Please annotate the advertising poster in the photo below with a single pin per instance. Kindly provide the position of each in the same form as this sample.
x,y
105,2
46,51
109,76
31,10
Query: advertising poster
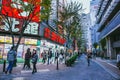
x,y
34,41
1,50
6,49
8,39
27,41
20,51
2,39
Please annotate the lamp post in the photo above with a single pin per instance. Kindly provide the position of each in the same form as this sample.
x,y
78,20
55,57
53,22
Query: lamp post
x,y
57,66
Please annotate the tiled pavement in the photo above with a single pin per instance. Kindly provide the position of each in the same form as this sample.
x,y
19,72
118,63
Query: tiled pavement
x,y
80,71
40,66
109,66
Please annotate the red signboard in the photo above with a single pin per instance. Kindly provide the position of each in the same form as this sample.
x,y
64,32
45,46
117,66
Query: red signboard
x,y
14,9
53,36
47,32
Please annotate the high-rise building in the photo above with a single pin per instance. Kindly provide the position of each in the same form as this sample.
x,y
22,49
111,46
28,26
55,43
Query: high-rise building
x,y
86,24
94,27
108,15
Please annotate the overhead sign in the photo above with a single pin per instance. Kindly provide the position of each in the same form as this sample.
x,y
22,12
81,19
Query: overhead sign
x,y
15,9
32,27
53,36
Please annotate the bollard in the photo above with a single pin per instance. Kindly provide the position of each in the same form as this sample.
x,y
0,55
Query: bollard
x,y
4,65
57,67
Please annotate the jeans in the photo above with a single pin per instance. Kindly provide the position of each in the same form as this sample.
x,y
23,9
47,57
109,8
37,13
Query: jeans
x,y
34,68
10,66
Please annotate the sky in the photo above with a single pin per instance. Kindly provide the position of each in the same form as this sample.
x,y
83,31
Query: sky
x,y
86,5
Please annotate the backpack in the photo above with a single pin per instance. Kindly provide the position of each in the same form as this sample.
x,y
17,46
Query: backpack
x,y
34,58
11,56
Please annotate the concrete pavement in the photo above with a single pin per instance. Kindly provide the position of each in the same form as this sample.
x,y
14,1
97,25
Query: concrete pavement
x,y
109,66
80,71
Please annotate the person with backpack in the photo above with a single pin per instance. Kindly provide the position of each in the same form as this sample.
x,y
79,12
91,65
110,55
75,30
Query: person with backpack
x,y
11,56
27,59
34,61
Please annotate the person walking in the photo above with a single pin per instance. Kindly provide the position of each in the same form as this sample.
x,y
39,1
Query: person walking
x,y
11,56
88,58
49,56
27,59
44,55
34,61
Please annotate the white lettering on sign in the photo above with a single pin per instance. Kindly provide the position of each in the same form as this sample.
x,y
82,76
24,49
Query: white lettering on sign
x,y
6,27
32,28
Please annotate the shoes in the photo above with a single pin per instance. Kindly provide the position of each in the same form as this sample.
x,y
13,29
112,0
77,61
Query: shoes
x,y
5,72
33,72
10,72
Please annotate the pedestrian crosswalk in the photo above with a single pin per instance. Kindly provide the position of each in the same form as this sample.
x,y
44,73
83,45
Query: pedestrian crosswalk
x,y
30,71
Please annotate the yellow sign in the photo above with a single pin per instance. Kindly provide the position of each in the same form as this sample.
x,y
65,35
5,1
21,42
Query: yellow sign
x,y
0,56
31,41
1,38
8,39
27,41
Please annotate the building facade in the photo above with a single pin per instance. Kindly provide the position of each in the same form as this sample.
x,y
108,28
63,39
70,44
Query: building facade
x,y
39,36
94,27
86,24
108,16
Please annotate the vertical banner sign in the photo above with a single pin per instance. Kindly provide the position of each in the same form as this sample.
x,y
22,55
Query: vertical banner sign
x,y
15,9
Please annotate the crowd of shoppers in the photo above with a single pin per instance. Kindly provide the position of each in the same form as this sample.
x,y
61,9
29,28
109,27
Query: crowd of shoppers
x,y
48,57
11,57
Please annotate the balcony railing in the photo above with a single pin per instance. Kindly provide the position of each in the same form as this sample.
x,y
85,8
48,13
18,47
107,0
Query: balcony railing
x,y
111,26
109,10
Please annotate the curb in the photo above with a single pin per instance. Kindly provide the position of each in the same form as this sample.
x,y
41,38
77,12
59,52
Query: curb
x,y
116,76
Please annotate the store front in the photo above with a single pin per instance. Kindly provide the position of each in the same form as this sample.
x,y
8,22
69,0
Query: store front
x,y
6,43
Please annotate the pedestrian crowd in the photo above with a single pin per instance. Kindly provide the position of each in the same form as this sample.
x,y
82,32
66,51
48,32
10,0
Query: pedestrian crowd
x,y
11,58
32,56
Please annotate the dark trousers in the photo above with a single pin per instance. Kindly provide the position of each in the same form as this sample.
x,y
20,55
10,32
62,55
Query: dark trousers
x,y
43,60
10,66
27,63
88,60
34,68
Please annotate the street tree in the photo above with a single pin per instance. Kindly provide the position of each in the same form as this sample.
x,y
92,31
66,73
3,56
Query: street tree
x,y
69,19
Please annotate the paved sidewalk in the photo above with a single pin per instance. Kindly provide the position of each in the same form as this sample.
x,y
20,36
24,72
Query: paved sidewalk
x,y
40,67
80,71
109,66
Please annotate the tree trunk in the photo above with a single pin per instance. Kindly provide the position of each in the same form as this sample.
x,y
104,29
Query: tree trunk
x,y
13,42
19,39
